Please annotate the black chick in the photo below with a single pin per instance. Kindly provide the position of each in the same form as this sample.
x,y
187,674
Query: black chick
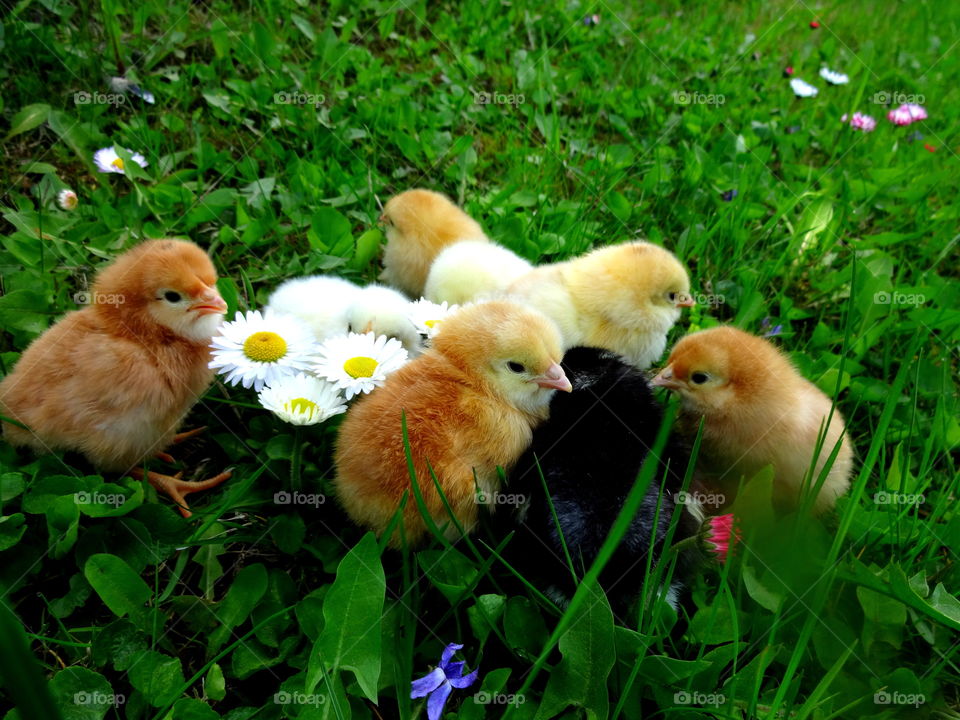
x,y
590,452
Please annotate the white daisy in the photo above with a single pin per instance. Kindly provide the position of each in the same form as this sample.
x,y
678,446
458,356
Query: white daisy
x,y
108,161
255,352
302,399
67,200
427,315
832,77
359,363
801,88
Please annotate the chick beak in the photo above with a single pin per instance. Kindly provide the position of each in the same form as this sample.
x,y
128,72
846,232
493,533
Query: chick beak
x,y
685,300
210,304
666,379
554,379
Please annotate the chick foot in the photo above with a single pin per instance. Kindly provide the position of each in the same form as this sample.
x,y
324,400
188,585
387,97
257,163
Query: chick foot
x,y
177,488
187,434
177,439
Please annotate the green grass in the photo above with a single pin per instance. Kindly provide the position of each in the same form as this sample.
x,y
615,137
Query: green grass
x,y
588,142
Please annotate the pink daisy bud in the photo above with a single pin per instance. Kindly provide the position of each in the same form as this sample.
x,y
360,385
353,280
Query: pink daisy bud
x,y
721,534
67,200
859,121
917,112
900,116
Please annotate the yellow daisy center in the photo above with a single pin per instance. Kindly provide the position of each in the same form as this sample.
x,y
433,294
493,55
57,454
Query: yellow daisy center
x,y
430,323
118,163
360,367
302,405
265,347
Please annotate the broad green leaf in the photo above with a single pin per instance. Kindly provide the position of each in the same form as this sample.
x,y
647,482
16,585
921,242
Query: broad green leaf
x,y
120,588
28,118
83,694
214,685
11,485
244,594
327,228
12,529
580,679
368,245
159,677
352,614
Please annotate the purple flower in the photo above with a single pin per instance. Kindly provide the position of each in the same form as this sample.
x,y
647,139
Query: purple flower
x,y
729,195
767,330
441,682
591,20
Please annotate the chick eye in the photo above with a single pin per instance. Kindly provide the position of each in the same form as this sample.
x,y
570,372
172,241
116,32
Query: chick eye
x,y
672,297
699,378
515,367
171,296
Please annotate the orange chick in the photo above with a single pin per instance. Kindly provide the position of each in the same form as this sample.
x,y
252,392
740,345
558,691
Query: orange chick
x,y
622,298
114,380
471,403
419,224
757,410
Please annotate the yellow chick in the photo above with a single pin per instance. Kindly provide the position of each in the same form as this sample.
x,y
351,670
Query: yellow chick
x,y
114,380
473,270
419,224
757,410
621,298
471,402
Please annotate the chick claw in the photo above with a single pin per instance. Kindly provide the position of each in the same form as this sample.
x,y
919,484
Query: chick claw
x,y
177,488
187,434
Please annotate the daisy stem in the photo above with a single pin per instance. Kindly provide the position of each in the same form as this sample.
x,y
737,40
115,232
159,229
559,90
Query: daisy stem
x,y
295,460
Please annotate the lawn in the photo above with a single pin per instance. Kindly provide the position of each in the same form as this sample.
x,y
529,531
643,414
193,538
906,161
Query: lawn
x,y
277,130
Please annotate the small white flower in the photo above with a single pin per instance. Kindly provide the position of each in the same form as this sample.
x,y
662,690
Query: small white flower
x,y
801,88
302,399
108,161
255,352
359,363
832,77
67,200
427,315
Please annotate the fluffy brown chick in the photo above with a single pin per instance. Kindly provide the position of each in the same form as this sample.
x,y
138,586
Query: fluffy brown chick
x,y
757,411
419,224
471,402
114,380
622,298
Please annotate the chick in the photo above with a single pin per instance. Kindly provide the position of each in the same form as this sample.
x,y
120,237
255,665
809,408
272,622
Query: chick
x,y
613,414
471,402
473,270
757,410
333,306
114,380
621,298
322,302
419,224
385,312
